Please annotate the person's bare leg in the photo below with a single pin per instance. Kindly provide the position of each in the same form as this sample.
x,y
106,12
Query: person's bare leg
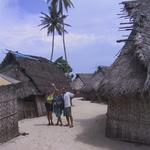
x,y
48,118
51,118
68,122
60,121
71,120
57,121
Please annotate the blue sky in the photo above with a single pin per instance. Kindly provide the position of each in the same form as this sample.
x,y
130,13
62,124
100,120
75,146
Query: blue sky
x,y
91,40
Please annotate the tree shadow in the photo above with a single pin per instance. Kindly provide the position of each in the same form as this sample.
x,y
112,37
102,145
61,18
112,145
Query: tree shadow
x,y
94,134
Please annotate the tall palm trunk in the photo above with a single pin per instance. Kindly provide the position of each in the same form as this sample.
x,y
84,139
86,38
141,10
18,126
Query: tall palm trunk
x,y
63,37
53,40
64,44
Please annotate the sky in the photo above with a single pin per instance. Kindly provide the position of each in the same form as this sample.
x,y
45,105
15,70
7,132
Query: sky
x,y
90,42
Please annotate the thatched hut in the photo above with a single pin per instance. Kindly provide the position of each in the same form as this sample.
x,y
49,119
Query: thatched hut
x,y
8,108
128,83
36,74
80,81
89,91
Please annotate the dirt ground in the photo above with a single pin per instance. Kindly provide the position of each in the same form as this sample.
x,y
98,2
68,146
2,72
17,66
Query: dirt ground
x,y
87,134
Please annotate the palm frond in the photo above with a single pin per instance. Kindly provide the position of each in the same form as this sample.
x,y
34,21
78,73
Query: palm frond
x,y
50,29
68,4
46,26
68,25
58,29
44,14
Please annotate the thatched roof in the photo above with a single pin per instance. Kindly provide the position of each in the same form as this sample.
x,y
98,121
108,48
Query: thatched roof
x,y
36,73
130,73
89,90
82,77
85,77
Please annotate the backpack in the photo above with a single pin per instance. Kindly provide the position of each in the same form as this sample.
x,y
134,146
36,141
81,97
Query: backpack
x,y
58,101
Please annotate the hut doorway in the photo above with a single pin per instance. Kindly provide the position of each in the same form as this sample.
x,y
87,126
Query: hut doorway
x,y
27,108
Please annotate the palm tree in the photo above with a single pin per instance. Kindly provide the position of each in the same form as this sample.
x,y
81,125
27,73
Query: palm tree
x,y
53,22
61,5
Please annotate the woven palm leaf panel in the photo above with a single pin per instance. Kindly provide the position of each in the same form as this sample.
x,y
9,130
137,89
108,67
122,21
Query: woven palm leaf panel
x,y
8,113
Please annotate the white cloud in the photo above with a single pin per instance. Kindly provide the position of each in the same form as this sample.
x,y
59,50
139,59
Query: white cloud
x,y
16,33
20,35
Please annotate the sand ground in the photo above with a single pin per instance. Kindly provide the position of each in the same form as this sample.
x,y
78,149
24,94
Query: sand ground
x,y
87,134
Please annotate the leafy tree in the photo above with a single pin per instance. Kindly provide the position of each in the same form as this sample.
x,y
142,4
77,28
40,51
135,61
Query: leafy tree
x,y
65,67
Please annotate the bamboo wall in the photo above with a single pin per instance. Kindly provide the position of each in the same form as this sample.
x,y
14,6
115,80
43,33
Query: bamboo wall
x,y
40,104
30,107
129,120
8,113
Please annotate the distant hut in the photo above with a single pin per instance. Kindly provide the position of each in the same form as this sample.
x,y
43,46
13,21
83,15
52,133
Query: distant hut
x,y
8,108
37,74
89,91
127,86
80,81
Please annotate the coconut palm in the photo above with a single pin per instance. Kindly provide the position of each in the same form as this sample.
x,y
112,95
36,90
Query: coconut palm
x,y
61,5
54,22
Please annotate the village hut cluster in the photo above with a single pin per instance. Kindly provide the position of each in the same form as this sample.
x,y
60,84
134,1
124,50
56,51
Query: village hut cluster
x,y
35,76
87,84
125,84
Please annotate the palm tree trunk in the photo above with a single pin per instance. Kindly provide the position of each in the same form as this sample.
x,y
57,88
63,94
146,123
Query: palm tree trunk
x,y
64,44
63,34
53,45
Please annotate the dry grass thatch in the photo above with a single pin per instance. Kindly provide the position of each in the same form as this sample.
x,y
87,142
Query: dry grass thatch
x,y
129,74
89,91
128,82
36,74
81,80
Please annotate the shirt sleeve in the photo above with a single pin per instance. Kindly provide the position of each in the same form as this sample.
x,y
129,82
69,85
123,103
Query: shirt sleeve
x,y
71,94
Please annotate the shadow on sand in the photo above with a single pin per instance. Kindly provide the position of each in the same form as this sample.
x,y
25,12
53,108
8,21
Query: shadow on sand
x,y
42,124
94,134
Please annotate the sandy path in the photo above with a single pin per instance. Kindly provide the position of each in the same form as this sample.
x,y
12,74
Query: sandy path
x,y
88,133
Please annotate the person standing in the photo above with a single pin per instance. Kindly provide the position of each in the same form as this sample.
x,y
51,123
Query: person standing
x,y
58,108
67,107
49,107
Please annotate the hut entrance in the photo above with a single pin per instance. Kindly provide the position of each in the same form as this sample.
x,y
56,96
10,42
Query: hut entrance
x,y
27,108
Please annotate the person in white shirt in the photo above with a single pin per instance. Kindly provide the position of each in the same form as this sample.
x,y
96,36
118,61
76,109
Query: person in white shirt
x,y
67,107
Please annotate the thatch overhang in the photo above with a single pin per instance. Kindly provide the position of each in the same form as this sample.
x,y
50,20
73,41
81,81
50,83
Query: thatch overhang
x,y
36,73
129,75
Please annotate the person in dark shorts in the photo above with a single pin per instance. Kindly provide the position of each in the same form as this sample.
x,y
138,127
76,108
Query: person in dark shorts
x,y
49,108
67,107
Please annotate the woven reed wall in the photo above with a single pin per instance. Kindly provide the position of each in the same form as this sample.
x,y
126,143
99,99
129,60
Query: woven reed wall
x,y
129,120
8,113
